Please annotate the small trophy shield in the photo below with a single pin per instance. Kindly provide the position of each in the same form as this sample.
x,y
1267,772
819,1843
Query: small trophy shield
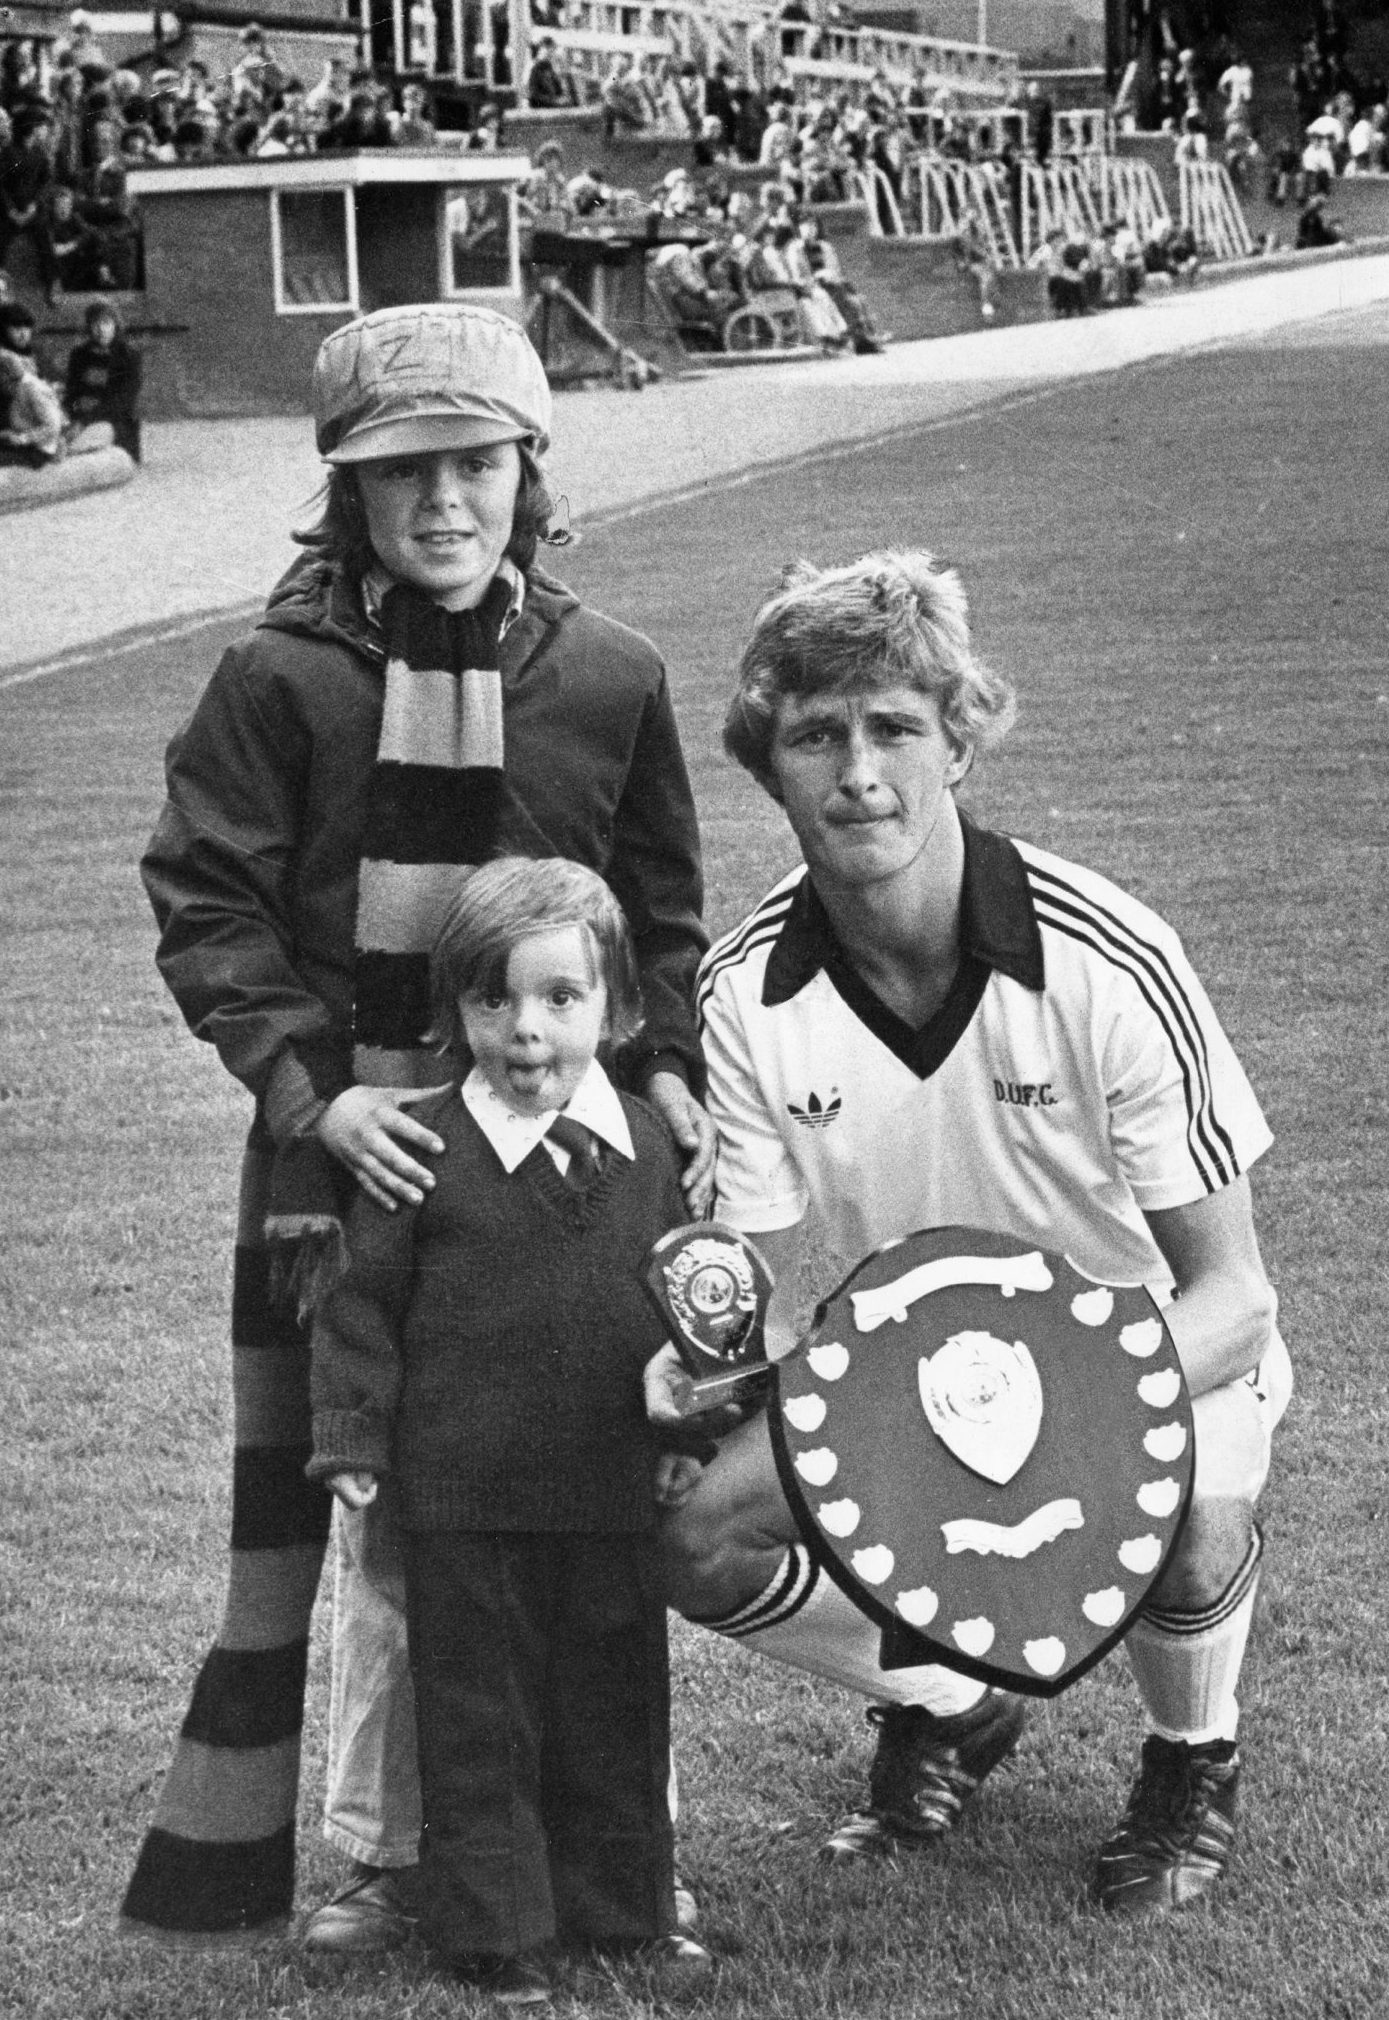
x,y
712,1289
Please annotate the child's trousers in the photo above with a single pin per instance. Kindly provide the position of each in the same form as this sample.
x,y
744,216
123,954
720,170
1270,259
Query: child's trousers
x,y
542,1692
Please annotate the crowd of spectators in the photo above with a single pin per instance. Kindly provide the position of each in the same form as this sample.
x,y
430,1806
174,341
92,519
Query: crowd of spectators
x,y
716,252
1204,94
70,133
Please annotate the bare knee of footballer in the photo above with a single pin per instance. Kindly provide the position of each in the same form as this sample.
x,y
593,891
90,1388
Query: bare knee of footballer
x,y
1213,1546
724,1539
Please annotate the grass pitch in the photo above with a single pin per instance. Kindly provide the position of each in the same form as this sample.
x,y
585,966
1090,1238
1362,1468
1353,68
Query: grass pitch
x,y
1182,568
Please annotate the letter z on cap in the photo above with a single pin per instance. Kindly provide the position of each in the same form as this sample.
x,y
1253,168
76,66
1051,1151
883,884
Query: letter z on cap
x,y
444,375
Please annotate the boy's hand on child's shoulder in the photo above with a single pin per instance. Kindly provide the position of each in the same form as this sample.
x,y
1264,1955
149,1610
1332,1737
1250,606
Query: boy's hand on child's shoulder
x,y
368,1130
355,1490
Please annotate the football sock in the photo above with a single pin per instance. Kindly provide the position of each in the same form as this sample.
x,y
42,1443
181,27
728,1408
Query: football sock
x,y
803,1619
1186,1665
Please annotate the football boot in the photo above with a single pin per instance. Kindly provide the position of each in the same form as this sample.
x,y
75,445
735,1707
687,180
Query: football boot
x,y
1174,1839
924,1772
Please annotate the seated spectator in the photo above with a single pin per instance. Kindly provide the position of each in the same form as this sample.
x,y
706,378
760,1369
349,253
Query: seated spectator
x,y
1171,249
777,260
711,148
275,140
364,124
549,82
822,264
1314,227
589,193
69,249
194,141
138,145
102,382
1128,254
776,138
1318,164
1192,144
1242,155
675,196
32,431
485,134
415,128
326,103
18,335
686,288
545,192
1066,264
1283,173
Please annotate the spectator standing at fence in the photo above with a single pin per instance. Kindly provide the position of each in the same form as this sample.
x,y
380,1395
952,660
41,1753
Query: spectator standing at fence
x,y
102,381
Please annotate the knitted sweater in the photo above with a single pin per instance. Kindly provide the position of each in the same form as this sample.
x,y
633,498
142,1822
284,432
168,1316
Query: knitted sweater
x,y
487,1346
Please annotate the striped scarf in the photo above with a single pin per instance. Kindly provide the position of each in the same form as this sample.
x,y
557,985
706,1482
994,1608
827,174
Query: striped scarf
x,y
433,804
217,1864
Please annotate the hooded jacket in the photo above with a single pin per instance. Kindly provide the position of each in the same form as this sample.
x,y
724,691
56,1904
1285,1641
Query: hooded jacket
x,y
252,870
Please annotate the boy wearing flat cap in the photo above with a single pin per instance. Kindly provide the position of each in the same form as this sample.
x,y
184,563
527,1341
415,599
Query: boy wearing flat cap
x,y
418,697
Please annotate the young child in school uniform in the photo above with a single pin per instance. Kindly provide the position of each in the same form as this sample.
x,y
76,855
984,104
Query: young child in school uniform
x,y
481,1362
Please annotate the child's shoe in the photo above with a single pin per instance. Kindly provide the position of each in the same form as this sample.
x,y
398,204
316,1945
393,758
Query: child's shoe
x,y
512,1982
672,1966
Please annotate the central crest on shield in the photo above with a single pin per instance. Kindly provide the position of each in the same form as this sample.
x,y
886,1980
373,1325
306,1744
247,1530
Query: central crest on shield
x,y
983,1400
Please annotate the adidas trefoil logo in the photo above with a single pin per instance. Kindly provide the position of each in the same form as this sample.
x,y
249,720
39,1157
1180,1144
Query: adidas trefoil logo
x,y
817,1114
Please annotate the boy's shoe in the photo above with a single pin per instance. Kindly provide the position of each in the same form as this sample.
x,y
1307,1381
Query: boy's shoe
x,y
924,1772
1174,1839
672,1966
512,1982
372,1912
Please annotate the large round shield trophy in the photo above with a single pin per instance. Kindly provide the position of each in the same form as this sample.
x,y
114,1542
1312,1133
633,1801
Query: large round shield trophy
x,y
989,1452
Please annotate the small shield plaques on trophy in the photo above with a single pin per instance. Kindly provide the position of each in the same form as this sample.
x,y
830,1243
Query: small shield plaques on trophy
x,y
989,1452
712,1289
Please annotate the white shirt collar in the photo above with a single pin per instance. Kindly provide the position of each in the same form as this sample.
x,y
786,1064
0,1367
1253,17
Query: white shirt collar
x,y
594,1102
378,581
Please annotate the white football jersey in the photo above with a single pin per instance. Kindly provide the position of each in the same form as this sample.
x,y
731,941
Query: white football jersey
x,y
1075,1075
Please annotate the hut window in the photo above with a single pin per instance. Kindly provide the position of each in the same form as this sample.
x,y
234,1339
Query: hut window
x,y
315,246
477,239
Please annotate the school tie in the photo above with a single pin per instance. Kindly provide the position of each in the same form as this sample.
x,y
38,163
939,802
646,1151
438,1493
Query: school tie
x,y
585,1151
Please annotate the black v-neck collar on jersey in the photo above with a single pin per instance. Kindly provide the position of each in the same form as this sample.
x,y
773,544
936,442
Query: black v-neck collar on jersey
x,y
998,931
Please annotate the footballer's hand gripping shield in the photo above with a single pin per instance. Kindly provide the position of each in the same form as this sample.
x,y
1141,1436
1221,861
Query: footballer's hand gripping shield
x,y
989,1452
